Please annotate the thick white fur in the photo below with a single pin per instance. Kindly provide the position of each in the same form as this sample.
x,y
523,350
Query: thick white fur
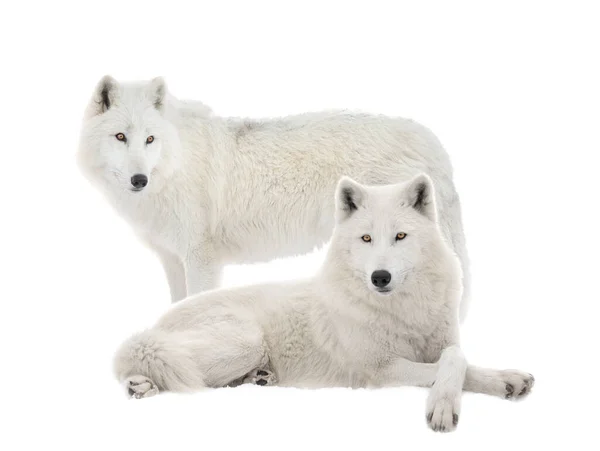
x,y
335,329
224,190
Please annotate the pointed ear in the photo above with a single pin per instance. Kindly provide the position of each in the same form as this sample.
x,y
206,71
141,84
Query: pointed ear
x,y
104,97
349,197
419,193
157,90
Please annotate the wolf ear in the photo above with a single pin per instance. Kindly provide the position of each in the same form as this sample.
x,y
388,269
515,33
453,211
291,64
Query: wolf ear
x,y
349,196
157,91
104,96
419,193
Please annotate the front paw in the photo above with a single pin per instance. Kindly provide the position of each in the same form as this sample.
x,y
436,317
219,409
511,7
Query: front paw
x,y
517,384
443,410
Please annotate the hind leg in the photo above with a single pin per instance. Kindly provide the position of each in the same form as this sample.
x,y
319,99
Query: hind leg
x,y
156,360
238,351
186,361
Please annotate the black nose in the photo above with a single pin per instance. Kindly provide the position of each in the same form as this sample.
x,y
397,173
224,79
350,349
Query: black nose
x,y
139,181
381,278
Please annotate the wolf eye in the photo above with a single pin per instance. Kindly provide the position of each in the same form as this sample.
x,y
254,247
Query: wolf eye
x,y
121,137
149,139
366,238
400,236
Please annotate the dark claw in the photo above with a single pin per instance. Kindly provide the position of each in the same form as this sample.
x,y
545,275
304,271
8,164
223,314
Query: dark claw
x,y
455,418
131,392
509,391
262,373
261,382
525,389
429,417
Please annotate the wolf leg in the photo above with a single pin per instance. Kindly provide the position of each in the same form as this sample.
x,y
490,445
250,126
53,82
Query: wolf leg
x,y
184,361
203,271
508,384
175,272
443,403
156,360
446,379
404,372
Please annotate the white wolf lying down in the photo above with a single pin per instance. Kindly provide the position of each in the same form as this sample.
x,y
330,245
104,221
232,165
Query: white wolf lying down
x,y
195,186
383,311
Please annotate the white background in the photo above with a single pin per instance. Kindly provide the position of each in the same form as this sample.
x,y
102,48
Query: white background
x,y
511,89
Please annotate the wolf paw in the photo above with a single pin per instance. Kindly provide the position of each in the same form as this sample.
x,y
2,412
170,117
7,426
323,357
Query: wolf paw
x,y
517,384
443,410
139,387
260,376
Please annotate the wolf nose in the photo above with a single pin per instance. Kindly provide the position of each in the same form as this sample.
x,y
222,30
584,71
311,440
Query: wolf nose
x,y
381,278
139,181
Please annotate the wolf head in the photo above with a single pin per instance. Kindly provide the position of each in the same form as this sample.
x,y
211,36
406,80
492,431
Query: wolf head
x,y
383,233
125,133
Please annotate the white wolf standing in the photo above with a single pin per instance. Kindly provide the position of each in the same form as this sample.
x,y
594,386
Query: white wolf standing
x,y
382,311
205,191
